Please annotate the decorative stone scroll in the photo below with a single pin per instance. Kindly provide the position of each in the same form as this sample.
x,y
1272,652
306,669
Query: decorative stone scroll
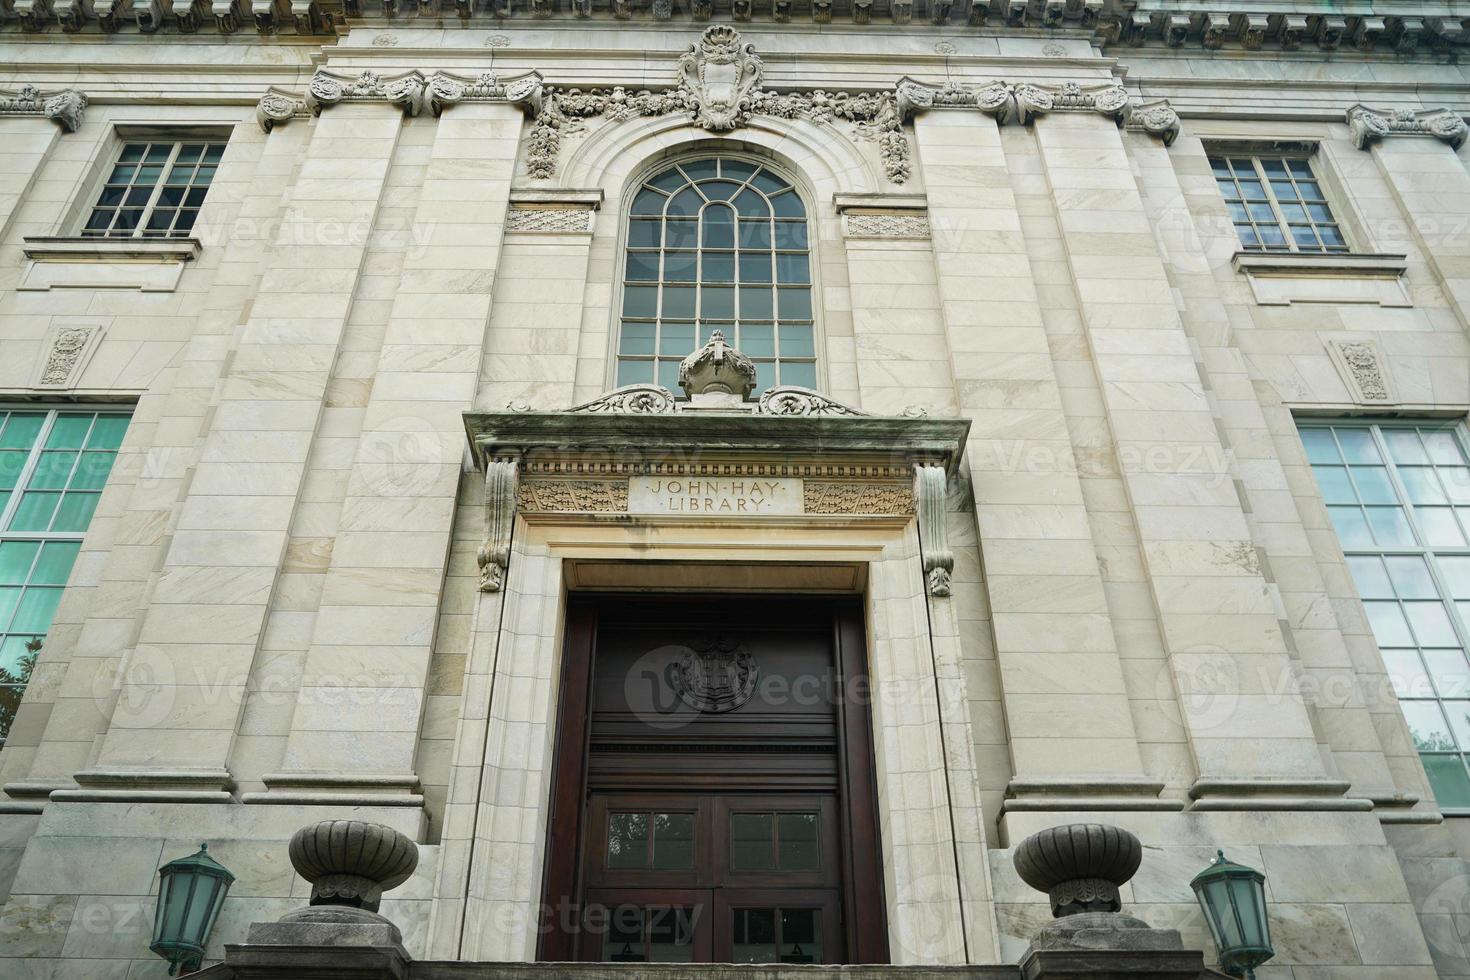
x,y
277,106
1368,126
931,489
1016,103
637,399
65,107
1361,365
792,400
1157,118
719,86
501,480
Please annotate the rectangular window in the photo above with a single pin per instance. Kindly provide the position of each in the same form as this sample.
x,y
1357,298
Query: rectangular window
x,y
1276,203
53,465
155,190
1399,497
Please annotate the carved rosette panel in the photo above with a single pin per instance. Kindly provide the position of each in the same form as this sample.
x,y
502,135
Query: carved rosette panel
x,y
1361,365
856,498
716,674
63,360
574,496
549,220
887,224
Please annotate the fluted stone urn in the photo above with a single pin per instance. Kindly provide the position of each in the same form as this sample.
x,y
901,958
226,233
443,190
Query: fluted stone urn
x,y
717,371
350,864
1080,866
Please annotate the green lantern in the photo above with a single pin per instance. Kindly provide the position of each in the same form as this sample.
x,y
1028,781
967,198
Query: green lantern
x,y
190,893
1233,898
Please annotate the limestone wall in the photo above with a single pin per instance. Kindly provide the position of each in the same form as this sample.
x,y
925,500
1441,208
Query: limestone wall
x,y
276,614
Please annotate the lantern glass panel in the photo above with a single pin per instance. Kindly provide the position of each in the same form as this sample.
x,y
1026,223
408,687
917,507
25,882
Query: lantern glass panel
x,y
205,888
168,909
1222,913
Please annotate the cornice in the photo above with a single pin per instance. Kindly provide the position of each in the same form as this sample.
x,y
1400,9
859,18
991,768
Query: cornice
x,y
1388,28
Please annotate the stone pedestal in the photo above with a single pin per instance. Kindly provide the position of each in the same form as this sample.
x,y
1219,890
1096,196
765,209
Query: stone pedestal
x,y
1109,946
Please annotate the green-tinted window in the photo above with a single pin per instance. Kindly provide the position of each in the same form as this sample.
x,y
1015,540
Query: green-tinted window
x,y
1399,497
1276,203
155,190
717,244
53,465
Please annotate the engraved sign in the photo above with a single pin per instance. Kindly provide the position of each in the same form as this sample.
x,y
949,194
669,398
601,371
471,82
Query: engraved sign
x,y
714,496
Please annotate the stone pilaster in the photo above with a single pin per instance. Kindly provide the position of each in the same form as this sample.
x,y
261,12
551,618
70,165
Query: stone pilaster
x,y
182,687
1220,630
1066,709
375,626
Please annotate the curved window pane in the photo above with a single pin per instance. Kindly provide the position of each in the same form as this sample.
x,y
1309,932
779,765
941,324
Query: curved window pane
x,y
718,244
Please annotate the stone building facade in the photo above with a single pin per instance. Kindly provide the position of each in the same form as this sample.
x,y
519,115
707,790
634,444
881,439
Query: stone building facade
x,y
1107,421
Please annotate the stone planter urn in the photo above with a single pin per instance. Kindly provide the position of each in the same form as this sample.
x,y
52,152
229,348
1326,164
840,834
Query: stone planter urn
x,y
350,863
1080,866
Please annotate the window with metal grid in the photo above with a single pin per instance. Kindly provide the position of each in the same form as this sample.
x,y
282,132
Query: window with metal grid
x,y
53,465
1399,496
1277,204
717,244
155,190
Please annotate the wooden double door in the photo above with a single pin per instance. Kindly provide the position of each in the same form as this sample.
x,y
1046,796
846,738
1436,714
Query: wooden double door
x,y
713,798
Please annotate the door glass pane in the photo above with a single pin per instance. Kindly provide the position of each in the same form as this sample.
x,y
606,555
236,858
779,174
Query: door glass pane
x,y
624,940
673,841
670,935
801,936
797,837
755,936
750,841
627,840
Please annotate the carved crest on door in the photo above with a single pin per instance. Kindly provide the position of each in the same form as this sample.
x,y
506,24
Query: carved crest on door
x,y
716,674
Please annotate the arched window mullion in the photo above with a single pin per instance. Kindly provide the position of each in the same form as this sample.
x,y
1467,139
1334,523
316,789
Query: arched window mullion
x,y
755,285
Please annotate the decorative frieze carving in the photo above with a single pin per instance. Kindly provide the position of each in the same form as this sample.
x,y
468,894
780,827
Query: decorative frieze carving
x,y
856,498
1371,125
548,220
931,489
1015,103
886,224
411,90
1157,118
65,107
720,88
493,557
574,496
1363,370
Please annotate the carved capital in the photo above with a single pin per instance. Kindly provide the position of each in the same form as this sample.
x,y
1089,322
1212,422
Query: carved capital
x,y
931,489
64,108
329,88
1368,126
1157,118
277,106
445,89
502,477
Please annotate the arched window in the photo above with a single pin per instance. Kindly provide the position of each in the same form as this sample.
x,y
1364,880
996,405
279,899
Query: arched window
x,y
717,244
